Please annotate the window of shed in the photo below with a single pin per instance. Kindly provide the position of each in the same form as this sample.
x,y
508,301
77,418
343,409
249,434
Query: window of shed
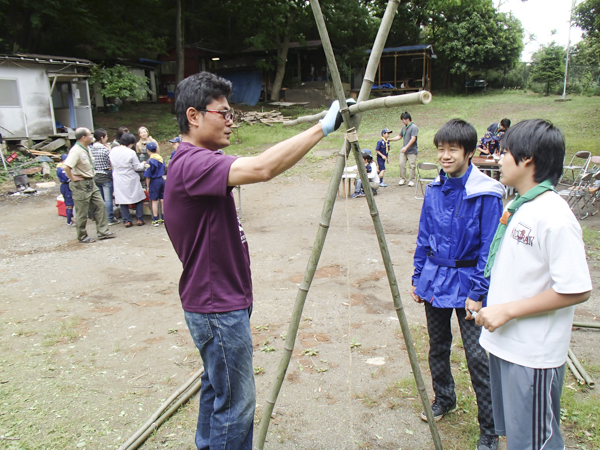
x,y
9,93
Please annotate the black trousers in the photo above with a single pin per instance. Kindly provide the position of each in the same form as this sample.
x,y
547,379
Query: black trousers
x,y
440,343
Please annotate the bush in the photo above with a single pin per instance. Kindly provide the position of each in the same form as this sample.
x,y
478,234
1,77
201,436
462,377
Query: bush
x,y
119,82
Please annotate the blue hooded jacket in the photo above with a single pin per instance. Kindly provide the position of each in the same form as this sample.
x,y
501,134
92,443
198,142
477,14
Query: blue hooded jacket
x,y
458,222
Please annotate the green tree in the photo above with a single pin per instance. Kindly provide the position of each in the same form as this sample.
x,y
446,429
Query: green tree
x,y
119,82
471,35
587,17
548,65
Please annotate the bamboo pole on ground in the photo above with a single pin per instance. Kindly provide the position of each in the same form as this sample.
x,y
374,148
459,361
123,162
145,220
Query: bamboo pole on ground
x,y
586,324
153,418
319,241
394,101
589,381
575,372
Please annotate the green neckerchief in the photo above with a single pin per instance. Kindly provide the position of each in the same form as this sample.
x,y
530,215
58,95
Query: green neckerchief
x,y
406,128
507,216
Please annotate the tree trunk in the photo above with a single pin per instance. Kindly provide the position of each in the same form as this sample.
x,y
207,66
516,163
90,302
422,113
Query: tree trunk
x,y
282,53
179,44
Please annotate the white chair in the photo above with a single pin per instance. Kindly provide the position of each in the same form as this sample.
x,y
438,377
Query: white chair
x,y
428,167
579,163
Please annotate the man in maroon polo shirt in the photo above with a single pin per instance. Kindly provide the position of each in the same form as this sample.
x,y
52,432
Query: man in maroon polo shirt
x,y
216,284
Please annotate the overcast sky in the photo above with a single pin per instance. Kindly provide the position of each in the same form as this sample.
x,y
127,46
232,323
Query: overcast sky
x,y
540,17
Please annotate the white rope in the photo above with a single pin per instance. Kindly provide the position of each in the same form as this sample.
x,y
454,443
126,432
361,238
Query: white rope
x,y
350,135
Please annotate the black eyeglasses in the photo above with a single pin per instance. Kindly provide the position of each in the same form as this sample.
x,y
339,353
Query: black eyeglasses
x,y
226,113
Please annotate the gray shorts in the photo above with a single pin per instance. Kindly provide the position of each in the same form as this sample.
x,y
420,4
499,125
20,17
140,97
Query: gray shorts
x,y
526,404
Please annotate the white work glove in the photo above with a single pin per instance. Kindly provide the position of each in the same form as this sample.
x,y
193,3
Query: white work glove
x,y
333,119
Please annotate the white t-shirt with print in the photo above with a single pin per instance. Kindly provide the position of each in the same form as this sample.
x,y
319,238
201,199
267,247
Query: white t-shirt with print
x,y
541,249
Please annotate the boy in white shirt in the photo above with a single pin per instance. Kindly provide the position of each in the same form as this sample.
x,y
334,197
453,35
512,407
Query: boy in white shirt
x,y
371,168
539,273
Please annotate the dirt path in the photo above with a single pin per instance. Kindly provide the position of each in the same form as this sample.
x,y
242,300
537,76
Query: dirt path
x,y
92,337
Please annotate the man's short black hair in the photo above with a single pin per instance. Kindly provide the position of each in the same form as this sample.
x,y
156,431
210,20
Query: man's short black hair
x,y
540,140
127,139
457,132
405,115
99,133
505,123
197,91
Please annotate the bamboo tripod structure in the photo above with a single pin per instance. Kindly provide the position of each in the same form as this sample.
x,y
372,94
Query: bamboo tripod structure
x,y
351,144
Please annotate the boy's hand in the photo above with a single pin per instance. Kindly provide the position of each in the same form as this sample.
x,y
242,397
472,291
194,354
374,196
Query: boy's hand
x,y
403,150
492,317
473,306
415,297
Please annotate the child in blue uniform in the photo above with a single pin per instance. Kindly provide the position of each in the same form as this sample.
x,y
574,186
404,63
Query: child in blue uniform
x,y
458,221
155,169
65,190
383,149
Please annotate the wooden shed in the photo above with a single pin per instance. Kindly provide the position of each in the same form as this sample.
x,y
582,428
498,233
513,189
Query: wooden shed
x,y
403,69
37,91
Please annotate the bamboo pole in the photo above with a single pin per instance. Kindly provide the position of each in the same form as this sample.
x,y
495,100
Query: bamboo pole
x,y
575,372
586,325
155,425
162,407
319,241
590,382
394,101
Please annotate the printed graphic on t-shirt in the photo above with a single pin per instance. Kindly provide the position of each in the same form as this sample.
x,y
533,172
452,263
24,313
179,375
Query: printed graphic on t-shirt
x,y
522,234
242,234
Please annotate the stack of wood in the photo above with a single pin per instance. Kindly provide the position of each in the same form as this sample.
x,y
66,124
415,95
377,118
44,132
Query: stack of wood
x,y
268,118
46,148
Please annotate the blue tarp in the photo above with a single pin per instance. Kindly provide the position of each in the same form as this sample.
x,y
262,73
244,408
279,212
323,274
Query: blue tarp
x,y
246,86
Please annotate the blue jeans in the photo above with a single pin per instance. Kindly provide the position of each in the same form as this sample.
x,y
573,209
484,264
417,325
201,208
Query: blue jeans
x,y
227,396
106,191
139,212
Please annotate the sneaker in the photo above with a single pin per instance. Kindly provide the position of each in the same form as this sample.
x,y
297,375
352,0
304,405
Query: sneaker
x,y
411,183
382,185
156,223
140,223
487,442
438,410
401,182
355,195
128,224
362,194
107,235
71,224
161,221
87,240
113,222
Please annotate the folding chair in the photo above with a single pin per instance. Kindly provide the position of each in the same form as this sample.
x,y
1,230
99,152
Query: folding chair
x,y
424,166
592,197
577,194
595,163
579,163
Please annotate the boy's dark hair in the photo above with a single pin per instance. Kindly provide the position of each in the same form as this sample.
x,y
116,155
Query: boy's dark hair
x,y
120,132
197,91
99,134
540,140
457,132
127,139
405,115
505,123
367,157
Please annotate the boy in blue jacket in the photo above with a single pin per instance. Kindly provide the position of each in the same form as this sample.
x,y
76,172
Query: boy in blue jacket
x,y
155,170
458,221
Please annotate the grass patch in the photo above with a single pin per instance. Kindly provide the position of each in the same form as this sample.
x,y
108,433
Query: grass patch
x,y
66,332
580,410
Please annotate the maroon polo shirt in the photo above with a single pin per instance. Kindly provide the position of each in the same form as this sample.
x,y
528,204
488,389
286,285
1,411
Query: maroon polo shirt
x,y
202,223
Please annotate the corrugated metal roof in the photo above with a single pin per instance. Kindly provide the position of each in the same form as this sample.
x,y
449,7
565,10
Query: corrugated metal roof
x,y
46,59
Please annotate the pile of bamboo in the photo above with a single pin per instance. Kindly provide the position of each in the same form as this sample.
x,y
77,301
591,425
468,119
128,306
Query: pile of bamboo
x,y
268,118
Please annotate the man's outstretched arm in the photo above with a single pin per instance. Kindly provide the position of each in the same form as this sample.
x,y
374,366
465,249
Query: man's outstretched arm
x,y
282,156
